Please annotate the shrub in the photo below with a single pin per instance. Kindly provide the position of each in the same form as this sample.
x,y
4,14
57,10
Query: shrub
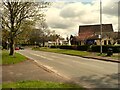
x,y
83,48
93,48
66,47
116,49
55,46
72,47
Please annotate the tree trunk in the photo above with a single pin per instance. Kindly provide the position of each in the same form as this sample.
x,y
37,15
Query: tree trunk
x,y
11,47
43,43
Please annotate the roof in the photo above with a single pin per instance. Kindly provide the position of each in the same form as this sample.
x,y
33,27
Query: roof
x,y
95,28
90,35
84,36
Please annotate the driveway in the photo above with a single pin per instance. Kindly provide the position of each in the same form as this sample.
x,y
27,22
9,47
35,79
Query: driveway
x,y
90,73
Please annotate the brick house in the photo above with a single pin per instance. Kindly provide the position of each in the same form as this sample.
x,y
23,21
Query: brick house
x,y
89,34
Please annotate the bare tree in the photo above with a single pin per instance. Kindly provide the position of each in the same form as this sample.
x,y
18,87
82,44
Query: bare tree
x,y
15,13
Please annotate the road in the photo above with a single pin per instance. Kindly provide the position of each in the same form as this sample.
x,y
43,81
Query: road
x,y
89,73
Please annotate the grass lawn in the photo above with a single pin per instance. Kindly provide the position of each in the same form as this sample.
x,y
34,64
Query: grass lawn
x,y
63,51
16,58
39,84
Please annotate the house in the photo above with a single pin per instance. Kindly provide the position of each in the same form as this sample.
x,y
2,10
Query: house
x,y
58,41
90,34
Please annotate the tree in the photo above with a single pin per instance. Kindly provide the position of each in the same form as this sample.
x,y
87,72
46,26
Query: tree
x,y
71,39
14,15
27,27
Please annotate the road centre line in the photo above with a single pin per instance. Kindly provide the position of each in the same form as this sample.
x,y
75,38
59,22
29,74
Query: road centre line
x,y
49,59
76,61
60,62
42,56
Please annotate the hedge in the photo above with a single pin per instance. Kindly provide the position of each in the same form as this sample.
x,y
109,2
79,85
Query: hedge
x,y
116,49
68,47
83,47
72,47
94,48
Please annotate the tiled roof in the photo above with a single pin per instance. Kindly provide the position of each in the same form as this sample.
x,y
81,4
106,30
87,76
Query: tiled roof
x,y
92,31
95,28
84,36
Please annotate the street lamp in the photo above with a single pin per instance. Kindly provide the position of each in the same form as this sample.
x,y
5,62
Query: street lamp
x,y
100,27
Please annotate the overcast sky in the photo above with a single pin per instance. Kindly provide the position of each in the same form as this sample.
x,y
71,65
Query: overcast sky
x,y
65,16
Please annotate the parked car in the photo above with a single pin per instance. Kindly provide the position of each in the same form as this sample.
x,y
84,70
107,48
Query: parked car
x,y
20,47
17,48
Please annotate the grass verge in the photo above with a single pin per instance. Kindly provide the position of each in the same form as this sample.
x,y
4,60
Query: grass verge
x,y
16,58
74,52
38,84
63,51
116,56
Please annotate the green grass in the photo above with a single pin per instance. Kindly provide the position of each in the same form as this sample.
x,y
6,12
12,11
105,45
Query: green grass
x,y
16,58
63,51
103,54
38,84
116,56
73,52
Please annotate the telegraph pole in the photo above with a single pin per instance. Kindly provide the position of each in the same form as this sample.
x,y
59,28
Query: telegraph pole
x,y
100,27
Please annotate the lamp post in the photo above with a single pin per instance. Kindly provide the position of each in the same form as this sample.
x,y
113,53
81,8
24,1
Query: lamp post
x,y
100,27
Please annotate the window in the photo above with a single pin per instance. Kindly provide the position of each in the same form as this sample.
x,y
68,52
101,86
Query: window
x,y
105,42
80,43
109,42
118,42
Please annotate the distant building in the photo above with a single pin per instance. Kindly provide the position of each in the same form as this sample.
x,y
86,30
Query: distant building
x,y
90,34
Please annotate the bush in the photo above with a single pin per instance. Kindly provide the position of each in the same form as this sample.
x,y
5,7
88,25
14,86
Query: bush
x,y
56,46
66,47
116,49
94,48
72,47
83,48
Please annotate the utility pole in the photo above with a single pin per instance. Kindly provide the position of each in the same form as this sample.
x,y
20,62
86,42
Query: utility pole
x,y
100,27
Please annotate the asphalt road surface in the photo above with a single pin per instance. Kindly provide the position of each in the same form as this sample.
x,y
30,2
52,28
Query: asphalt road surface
x,y
89,73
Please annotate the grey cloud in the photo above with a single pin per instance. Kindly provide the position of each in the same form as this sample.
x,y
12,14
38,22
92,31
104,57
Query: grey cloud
x,y
71,11
59,25
67,13
111,9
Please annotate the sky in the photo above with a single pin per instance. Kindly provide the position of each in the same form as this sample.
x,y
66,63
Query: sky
x,y
65,16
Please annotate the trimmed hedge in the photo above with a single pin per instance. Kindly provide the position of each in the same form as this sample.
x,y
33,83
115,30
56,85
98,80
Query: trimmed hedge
x,y
116,49
68,47
56,46
94,48
83,47
72,47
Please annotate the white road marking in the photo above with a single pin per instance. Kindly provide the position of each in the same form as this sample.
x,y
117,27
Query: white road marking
x,y
88,64
49,58
42,56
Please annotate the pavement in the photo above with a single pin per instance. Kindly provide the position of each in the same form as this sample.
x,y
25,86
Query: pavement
x,y
105,58
29,70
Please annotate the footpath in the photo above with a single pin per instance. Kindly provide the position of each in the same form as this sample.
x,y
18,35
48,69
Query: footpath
x,y
104,58
28,70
